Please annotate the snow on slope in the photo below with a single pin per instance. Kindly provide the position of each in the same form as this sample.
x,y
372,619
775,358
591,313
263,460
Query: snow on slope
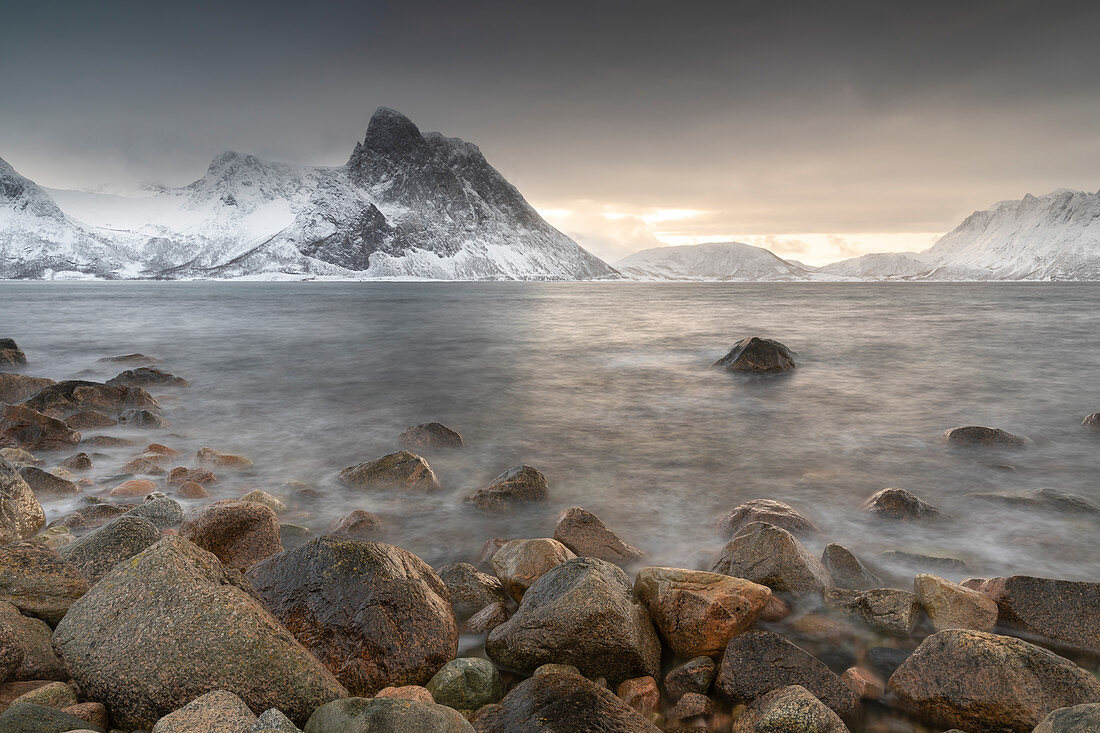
x,y
880,266
711,261
406,205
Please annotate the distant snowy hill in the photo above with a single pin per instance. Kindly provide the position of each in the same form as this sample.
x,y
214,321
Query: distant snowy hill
x,y
711,261
406,205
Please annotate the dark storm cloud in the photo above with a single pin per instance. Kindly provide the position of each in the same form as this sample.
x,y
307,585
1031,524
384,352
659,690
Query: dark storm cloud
x,y
770,117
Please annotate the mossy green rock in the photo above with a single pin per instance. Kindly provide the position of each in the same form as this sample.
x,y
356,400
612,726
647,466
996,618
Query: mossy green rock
x,y
467,684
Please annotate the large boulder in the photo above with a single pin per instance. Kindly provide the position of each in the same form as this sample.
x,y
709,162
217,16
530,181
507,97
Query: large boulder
x,y
758,662
582,532
583,613
973,436
173,624
791,709
240,533
401,470
515,487
762,356
887,610
375,614
219,711
519,563
97,554
22,427
383,714
899,505
430,435
38,582
979,681
20,513
66,398
1060,613
771,556
777,513
471,590
697,612
561,703
846,569
467,684
18,387
952,606
10,353
1075,719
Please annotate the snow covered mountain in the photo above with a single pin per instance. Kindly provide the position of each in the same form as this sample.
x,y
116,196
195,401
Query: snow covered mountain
x,y
406,205
712,261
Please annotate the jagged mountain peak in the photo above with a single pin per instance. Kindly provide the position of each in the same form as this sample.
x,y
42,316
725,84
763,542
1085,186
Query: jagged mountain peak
x,y
390,135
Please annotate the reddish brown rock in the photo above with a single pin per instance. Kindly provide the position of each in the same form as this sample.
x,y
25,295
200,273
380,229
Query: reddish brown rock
x,y
89,420
47,486
11,354
135,487
864,682
401,470
78,462
641,694
239,533
357,525
485,562
951,606
486,619
776,513
65,398
697,612
430,435
693,676
979,681
192,490
22,427
182,475
776,610
18,387
223,460
94,713
146,419
582,532
691,705
32,637
144,465
1060,613
161,450
519,563
407,692
515,487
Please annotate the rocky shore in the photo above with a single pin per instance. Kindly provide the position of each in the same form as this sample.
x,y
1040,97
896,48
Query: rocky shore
x,y
134,596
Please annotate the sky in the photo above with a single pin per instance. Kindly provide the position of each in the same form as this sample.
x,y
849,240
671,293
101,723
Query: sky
x,y
819,130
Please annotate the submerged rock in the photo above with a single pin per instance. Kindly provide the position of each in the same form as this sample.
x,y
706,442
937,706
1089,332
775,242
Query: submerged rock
x,y
1049,499
160,510
10,353
262,497
517,486
181,475
791,709
1061,613
38,581
952,606
174,623
239,533
771,556
223,460
78,462
846,569
146,375
89,419
360,715
402,629
18,457
583,613
22,427
143,419
519,563
357,525
899,505
401,470
758,355
430,435
46,485
980,681
979,436
887,610
65,398
640,693
582,532
1092,422
18,387
775,513
20,513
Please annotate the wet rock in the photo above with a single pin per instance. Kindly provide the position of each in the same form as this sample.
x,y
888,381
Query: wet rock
x,y
791,709
53,694
78,462
920,562
293,535
758,662
147,376
887,610
846,569
89,420
1075,719
18,387
223,460
65,398
773,512
143,419
18,457
357,525
401,470
33,718
561,703
691,705
96,554
108,441
430,435
239,533
470,589
10,353
1092,422
37,581
219,711
407,692
32,636
697,612
519,563
762,356
978,436
262,497
181,475
552,668
146,465
776,610
951,606
771,556
899,505
641,694
1048,499
1060,613
515,487
693,676
129,359
22,427
45,485
864,682
134,488
20,513
583,613
583,533
486,619
466,684
160,510
192,490
979,681
173,623
354,714
403,629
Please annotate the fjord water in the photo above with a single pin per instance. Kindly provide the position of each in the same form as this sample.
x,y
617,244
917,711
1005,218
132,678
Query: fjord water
x,y
606,388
